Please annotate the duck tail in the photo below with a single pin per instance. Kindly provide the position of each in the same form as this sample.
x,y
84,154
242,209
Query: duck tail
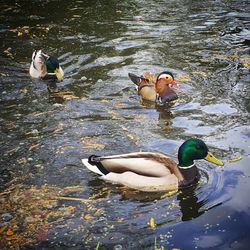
x,y
94,164
136,79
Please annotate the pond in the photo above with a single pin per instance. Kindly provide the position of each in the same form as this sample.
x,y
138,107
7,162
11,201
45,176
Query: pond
x,y
49,200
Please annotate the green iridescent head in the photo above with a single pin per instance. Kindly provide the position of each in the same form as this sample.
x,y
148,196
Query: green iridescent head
x,y
53,67
195,149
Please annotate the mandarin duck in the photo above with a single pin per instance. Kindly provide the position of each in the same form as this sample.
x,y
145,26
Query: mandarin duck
x,y
45,67
155,89
151,171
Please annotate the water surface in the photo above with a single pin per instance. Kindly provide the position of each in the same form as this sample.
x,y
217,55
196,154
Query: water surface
x,y
206,46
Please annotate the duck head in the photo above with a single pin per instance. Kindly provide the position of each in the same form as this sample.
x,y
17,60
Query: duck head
x,y
45,66
165,78
53,67
195,149
164,82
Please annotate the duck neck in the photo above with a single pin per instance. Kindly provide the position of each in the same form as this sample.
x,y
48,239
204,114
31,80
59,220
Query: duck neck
x,y
161,88
190,175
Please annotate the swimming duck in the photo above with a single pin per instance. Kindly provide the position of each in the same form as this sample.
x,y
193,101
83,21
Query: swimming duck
x,y
155,89
45,66
151,171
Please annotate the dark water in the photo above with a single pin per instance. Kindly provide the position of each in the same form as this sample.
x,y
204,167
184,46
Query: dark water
x,y
204,43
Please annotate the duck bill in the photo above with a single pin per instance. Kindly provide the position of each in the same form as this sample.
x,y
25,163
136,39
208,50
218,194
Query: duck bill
x,y
211,158
173,83
59,75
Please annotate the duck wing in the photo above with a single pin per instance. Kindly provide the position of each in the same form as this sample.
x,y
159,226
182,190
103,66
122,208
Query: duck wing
x,y
37,67
143,163
144,171
169,95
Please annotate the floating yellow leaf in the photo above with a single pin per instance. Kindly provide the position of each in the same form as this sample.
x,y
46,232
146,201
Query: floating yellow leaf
x,y
33,146
68,147
19,33
87,216
24,90
65,95
168,194
152,223
98,212
183,78
200,73
131,137
118,105
245,64
233,56
3,229
73,188
89,143
235,159
13,30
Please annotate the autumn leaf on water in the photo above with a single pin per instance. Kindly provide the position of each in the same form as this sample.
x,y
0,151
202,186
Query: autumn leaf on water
x,y
2,229
120,105
201,73
168,194
246,64
235,159
152,223
88,217
65,95
73,188
90,143
33,146
183,78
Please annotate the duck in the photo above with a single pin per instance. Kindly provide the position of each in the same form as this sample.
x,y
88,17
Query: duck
x,y
45,67
157,89
153,171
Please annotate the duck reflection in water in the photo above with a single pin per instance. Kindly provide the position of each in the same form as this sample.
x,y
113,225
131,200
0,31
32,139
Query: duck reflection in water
x,y
165,118
190,205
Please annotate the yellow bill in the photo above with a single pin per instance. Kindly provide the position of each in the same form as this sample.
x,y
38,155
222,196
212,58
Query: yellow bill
x,y
59,74
211,158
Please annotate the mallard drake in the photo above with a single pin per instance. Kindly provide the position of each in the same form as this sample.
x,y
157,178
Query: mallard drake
x,y
45,66
151,171
155,89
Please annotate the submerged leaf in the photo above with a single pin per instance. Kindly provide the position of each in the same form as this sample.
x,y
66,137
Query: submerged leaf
x,y
158,248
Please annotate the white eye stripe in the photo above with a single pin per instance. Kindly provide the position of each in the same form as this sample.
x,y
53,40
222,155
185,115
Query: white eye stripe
x,y
164,76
